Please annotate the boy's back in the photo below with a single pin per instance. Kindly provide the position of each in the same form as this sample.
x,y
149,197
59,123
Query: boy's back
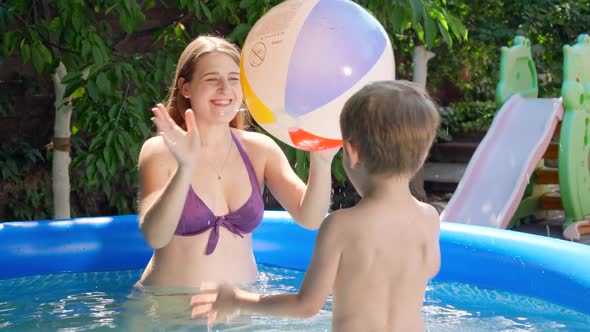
x,y
390,250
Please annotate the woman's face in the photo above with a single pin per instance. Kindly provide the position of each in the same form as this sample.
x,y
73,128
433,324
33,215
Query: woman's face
x,y
215,90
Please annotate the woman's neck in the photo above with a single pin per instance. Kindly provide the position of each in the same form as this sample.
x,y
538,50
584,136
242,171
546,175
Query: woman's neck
x,y
214,136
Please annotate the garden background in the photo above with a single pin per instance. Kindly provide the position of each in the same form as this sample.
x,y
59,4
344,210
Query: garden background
x,y
91,70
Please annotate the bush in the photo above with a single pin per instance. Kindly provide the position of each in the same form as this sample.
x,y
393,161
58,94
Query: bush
x,y
466,118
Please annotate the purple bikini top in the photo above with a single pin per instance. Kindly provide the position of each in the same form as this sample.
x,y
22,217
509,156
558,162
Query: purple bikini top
x,y
197,218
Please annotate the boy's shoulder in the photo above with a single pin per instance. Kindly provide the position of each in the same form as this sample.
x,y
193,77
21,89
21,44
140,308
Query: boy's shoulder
x,y
430,217
344,215
428,210
343,221
337,220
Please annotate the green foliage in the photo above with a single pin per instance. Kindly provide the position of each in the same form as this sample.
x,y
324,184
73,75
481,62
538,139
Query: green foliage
x,y
466,118
33,203
21,164
112,89
473,66
16,161
7,102
425,21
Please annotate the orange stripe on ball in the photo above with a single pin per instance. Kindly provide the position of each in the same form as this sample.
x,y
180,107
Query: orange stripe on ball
x,y
309,142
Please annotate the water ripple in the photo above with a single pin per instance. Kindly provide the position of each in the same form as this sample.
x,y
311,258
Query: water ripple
x,y
97,301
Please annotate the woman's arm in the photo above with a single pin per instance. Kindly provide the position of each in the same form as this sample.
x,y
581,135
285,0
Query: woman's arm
x,y
166,165
162,193
307,204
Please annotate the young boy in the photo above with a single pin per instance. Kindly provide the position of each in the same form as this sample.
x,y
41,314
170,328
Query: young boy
x,y
377,256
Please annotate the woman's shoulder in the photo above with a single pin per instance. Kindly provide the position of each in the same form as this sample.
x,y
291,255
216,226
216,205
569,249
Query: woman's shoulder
x,y
154,147
254,141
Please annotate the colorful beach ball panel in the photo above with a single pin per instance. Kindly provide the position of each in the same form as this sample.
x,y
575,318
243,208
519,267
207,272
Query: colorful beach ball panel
x,y
332,53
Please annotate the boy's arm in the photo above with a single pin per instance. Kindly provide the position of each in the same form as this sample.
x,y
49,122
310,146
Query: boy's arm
x,y
317,285
433,258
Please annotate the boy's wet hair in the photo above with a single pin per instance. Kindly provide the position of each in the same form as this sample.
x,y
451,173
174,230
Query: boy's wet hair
x,y
177,104
392,124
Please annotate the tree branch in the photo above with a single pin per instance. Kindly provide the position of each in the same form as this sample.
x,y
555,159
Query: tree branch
x,y
181,19
16,16
47,42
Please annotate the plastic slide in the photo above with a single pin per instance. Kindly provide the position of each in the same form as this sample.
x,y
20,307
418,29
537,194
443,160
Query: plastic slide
x,y
499,171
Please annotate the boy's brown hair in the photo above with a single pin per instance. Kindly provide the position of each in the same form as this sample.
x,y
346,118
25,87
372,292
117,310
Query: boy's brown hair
x,y
392,124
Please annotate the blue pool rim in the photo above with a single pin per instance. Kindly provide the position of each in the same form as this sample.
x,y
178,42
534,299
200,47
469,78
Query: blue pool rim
x,y
554,270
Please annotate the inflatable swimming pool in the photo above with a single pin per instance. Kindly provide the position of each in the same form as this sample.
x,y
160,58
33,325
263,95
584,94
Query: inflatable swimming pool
x,y
553,270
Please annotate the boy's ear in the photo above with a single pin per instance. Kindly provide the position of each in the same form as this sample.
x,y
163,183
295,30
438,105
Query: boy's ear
x,y
352,152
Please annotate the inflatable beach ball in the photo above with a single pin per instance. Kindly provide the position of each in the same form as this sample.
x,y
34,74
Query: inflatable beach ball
x,y
303,59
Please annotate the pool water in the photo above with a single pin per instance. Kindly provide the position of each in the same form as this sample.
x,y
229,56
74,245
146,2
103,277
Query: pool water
x,y
105,301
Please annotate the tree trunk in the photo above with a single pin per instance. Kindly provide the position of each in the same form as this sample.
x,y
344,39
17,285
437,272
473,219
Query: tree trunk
x,y
420,58
61,147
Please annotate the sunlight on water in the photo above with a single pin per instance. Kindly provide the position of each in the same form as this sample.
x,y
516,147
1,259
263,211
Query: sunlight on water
x,y
106,301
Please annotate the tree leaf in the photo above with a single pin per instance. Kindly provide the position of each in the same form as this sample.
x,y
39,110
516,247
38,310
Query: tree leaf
x,y
197,10
129,5
92,91
445,34
244,4
103,84
239,33
120,155
91,173
96,142
301,165
400,20
118,75
25,51
97,55
70,77
338,169
100,164
73,85
126,22
55,25
76,19
206,11
86,49
457,28
41,56
9,42
113,110
110,136
417,12
148,4
78,93
430,31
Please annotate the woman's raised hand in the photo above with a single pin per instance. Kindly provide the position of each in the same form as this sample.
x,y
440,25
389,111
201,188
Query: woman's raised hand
x,y
324,156
184,145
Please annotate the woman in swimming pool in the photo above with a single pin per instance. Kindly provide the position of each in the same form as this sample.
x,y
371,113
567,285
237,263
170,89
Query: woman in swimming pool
x,y
201,178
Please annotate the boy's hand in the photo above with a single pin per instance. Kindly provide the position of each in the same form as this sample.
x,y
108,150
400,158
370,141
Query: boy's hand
x,y
219,303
